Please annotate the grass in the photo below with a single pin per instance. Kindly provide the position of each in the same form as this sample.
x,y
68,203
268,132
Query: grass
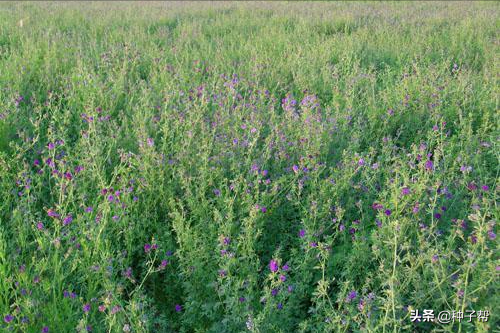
x,y
264,167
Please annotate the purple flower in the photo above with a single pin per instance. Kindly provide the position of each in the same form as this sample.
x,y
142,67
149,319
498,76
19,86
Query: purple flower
x,y
52,213
352,295
429,165
86,307
178,308
282,278
388,212
295,168
263,209
491,235
150,142
217,192
45,329
51,145
111,198
485,188
279,306
290,288
405,191
435,258
147,247
273,265
285,267
67,220
8,318
302,233
274,292
89,209
163,264
379,223
437,216
361,162
242,299
39,226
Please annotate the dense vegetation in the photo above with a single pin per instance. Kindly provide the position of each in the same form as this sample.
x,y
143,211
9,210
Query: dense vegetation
x,y
264,167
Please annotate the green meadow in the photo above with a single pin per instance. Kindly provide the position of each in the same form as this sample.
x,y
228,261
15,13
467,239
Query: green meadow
x,y
249,166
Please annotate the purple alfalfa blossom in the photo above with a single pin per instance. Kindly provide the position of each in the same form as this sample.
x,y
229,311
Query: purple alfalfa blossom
x,y
290,288
274,292
378,222
435,258
163,264
491,235
388,212
416,208
242,299
377,206
222,273
352,295
39,226
86,308
302,233
437,216
279,306
178,308
282,278
45,329
226,240
68,219
52,213
150,142
51,145
313,244
263,209
429,165
115,309
405,191
147,247
217,192
273,265
111,198
285,268
8,318
485,188
295,168
89,209
361,162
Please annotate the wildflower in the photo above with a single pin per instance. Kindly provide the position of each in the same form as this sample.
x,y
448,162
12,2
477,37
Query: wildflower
x,y
437,216
405,191
388,212
491,235
290,288
89,209
379,223
429,165
39,226
222,272
274,292
242,299
163,264
295,168
147,247
150,142
86,307
115,309
282,278
178,308
435,258
217,192
263,209
8,318
302,233
361,162
45,329
101,308
52,213
67,220
485,188
273,265
279,306
51,145
285,267
352,295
